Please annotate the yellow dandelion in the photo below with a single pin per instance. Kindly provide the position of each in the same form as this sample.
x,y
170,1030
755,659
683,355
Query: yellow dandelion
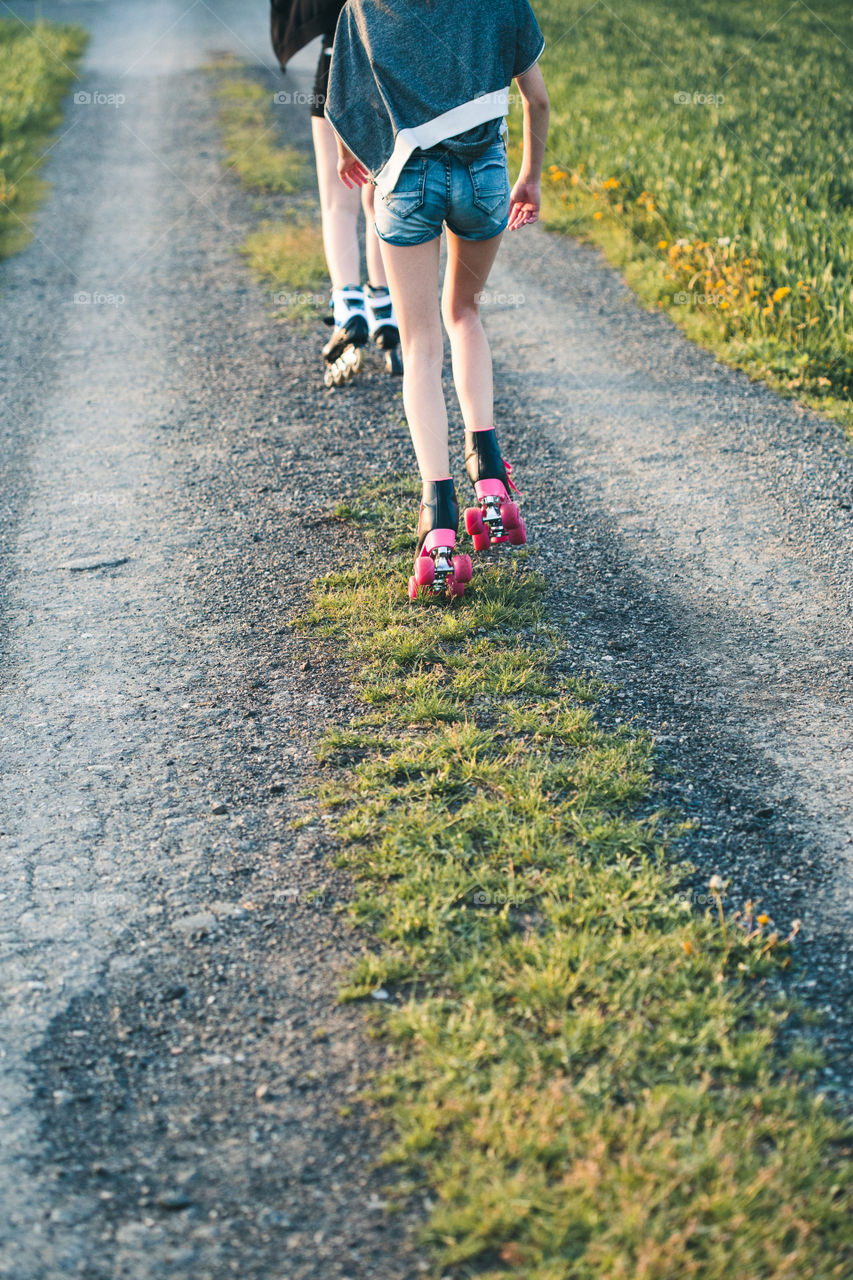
x,y
762,919
765,311
688,947
724,305
611,184
779,294
663,244
598,215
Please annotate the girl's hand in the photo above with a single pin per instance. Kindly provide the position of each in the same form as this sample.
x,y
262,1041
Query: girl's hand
x,y
524,204
351,172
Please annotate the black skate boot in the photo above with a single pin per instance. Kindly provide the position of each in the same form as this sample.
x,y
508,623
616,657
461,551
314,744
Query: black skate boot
x,y
344,352
439,571
497,518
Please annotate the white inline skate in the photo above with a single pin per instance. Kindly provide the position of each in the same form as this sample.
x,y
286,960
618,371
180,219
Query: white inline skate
x,y
383,326
344,352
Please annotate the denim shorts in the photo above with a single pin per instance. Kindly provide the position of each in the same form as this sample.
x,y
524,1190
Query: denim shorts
x,y
437,187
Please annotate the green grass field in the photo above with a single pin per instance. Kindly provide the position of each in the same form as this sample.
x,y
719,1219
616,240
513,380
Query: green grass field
x,y
707,148
584,1078
36,68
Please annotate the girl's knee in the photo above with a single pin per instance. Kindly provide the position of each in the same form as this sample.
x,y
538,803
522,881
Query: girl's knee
x,y
460,313
424,348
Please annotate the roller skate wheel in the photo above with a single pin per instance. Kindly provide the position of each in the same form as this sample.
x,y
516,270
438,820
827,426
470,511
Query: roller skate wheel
x,y
473,521
413,589
455,588
462,569
510,516
482,541
518,536
424,571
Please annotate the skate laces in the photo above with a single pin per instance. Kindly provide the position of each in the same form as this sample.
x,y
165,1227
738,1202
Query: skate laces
x,y
508,469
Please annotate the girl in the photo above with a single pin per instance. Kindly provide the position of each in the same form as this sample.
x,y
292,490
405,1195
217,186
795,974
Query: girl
x,y
417,96
357,313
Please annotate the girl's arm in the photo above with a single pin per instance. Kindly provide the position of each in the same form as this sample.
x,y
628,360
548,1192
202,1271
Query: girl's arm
x,y
351,171
526,195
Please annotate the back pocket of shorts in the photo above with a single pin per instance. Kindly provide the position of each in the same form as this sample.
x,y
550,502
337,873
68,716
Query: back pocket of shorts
x,y
408,194
490,180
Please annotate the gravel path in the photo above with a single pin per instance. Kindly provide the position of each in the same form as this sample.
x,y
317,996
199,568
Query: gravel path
x,y
173,1065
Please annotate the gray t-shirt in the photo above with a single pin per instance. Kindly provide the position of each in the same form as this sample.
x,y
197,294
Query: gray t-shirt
x,y
409,74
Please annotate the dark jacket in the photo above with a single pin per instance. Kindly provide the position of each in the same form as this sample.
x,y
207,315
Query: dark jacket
x,y
295,23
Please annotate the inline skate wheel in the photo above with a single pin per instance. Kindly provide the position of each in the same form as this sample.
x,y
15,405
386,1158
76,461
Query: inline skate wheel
x,y
462,569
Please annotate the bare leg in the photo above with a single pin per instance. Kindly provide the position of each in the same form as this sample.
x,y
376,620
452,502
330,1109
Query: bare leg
x,y
413,279
339,206
375,265
468,265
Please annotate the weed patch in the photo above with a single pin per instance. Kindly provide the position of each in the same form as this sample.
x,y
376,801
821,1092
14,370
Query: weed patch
x,y
288,256
37,65
250,133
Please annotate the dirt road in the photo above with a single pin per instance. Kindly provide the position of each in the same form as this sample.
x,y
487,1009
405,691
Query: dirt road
x,y
175,1076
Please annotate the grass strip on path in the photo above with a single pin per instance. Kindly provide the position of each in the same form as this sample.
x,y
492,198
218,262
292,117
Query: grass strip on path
x,y
584,1074
37,64
703,147
286,254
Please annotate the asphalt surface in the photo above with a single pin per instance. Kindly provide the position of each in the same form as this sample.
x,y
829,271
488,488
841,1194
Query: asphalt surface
x,y
178,1088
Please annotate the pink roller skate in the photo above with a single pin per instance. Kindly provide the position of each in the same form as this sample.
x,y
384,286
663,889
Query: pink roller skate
x,y
439,571
497,518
